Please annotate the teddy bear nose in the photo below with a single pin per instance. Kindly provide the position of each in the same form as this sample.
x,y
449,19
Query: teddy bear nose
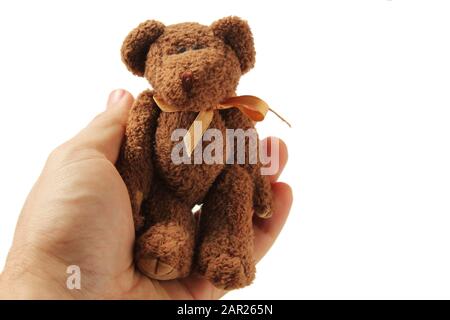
x,y
187,80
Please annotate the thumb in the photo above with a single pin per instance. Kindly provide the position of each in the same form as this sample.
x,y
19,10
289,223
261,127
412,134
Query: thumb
x,y
104,134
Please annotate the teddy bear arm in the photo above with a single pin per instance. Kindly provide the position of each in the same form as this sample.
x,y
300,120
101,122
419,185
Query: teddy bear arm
x,y
135,160
262,195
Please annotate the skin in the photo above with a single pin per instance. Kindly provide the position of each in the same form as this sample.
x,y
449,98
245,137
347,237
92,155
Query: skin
x,y
79,212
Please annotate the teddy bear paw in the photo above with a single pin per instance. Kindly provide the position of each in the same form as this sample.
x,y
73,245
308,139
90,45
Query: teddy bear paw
x,y
154,268
227,272
164,251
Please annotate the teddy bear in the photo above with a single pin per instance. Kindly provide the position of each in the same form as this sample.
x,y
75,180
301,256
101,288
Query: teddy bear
x,y
191,68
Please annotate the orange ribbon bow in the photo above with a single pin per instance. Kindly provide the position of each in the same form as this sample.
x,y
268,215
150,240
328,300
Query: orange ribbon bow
x,y
253,107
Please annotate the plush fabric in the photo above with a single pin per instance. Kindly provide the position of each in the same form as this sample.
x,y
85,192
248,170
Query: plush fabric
x,y
192,67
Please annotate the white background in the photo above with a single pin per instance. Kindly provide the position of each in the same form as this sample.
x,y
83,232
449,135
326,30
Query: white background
x,y
364,83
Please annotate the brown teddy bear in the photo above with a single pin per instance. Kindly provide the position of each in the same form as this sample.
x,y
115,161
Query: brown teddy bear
x,y
191,68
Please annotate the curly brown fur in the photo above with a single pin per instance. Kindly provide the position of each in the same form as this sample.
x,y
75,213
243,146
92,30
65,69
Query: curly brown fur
x,y
135,162
189,182
137,43
225,250
183,47
191,67
169,234
236,33
262,196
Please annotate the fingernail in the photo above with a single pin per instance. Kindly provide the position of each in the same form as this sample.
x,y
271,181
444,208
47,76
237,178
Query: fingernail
x,y
115,97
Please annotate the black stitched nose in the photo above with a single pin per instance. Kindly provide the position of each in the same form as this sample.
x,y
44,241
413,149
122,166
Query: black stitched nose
x,y
186,81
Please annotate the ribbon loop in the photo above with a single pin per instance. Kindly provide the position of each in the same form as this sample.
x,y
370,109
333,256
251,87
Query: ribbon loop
x,y
253,107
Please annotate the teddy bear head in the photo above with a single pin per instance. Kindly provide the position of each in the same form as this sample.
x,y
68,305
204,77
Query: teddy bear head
x,y
191,66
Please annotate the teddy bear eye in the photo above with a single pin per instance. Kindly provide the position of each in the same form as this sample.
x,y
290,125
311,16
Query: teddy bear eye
x,y
181,49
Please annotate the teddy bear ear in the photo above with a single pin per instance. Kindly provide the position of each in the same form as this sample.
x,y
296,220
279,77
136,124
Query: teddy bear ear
x,y
236,33
136,45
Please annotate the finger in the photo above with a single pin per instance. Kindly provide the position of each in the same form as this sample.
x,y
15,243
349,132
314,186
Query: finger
x,y
266,231
276,151
104,134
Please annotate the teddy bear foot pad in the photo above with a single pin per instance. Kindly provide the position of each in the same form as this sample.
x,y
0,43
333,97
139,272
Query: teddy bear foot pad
x,y
156,269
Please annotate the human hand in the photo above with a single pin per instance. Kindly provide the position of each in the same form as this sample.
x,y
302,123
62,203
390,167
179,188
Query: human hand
x,y
79,213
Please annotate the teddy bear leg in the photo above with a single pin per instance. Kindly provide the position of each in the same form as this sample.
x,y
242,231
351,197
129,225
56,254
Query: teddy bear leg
x,y
165,250
225,250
